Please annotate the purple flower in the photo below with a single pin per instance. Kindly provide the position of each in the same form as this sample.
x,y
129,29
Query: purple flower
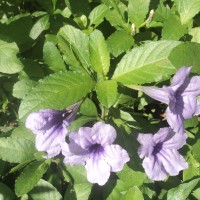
x,y
160,153
181,98
94,147
50,127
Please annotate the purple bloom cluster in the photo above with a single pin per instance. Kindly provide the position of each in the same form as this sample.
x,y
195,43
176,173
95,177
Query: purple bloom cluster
x,y
94,148
160,150
160,153
91,147
180,96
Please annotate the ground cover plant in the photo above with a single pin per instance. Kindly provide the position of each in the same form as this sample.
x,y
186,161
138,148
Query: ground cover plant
x,y
99,99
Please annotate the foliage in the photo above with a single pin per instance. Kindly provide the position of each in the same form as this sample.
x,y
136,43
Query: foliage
x,y
54,53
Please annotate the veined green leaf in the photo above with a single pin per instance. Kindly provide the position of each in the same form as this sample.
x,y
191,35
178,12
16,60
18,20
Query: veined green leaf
x,y
173,23
41,25
195,33
9,63
16,150
52,57
133,193
99,54
189,54
182,191
30,177
107,92
119,42
97,14
56,92
137,11
146,64
76,43
187,9
44,190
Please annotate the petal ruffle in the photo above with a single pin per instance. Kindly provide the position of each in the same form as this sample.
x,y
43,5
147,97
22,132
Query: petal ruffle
x,y
189,106
74,154
147,144
154,168
51,140
98,170
172,161
38,120
175,121
116,157
159,94
180,79
193,87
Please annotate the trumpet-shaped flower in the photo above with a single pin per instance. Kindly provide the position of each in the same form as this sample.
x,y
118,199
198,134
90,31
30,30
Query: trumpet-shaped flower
x,y
50,128
93,148
160,154
181,98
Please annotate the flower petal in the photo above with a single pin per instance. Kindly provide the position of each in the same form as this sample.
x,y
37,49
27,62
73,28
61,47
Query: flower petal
x,y
180,79
154,168
74,154
189,106
172,161
51,140
98,170
147,144
159,94
116,157
175,120
192,87
37,120
104,134
197,109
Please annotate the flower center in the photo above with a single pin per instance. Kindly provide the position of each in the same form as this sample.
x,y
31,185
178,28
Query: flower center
x,y
96,148
157,148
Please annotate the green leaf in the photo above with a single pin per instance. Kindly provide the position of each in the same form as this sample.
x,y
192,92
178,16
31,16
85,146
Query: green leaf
x,y
17,30
22,87
78,173
193,169
30,177
115,17
99,54
9,64
187,9
43,190
146,64
119,42
52,57
16,150
78,7
82,190
88,108
79,122
97,14
41,25
114,189
182,191
131,177
74,45
22,132
107,92
195,150
189,54
137,11
133,193
162,13
56,92
173,23
195,33
6,193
